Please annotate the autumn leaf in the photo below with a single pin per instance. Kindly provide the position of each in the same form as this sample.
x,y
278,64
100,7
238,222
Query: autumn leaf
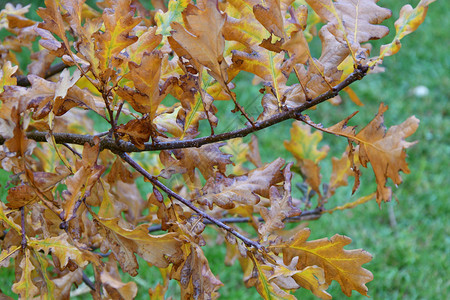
x,y
385,150
45,96
303,145
226,192
207,159
408,22
350,23
145,78
19,196
270,17
353,204
9,10
49,290
340,173
6,254
173,14
281,207
64,283
260,279
6,75
81,183
339,264
8,220
53,22
62,249
116,288
195,276
311,278
202,38
137,131
154,249
148,41
268,66
118,21
25,286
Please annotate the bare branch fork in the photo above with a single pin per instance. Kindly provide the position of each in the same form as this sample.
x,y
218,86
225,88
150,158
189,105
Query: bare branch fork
x,y
122,146
188,203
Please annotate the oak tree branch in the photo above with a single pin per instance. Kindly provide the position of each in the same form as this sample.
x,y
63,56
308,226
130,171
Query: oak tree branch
x,y
122,146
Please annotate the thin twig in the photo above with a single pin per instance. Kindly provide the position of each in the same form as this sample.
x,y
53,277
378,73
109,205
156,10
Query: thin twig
x,y
122,146
73,150
306,215
22,220
186,202
88,282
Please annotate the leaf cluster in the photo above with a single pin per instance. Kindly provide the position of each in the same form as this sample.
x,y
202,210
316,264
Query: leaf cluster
x,y
154,76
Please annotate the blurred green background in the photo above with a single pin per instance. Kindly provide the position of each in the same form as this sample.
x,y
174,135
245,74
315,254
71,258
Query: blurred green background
x,y
409,237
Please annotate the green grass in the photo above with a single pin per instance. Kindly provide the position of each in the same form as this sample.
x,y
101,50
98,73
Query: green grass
x,y
410,259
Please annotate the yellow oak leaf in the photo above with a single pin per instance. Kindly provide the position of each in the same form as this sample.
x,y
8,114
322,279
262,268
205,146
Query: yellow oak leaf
x,y
118,21
62,249
260,278
311,278
25,286
173,14
303,144
6,75
344,266
408,22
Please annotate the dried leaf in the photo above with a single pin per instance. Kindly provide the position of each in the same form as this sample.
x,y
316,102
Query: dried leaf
x,y
350,23
270,17
20,196
196,279
117,289
53,22
145,78
137,131
226,192
385,150
202,38
266,288
281,207
154,249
